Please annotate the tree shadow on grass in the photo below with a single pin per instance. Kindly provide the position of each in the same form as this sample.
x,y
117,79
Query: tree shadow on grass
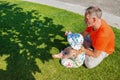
x,y
25,36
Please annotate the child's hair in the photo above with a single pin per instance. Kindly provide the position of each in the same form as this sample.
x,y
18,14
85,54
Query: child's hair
x,y
75,40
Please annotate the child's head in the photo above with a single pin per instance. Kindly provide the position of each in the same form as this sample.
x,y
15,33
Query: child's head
x,y
75,40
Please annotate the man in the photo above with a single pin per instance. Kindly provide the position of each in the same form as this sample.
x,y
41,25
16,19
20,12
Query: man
x,y
100,42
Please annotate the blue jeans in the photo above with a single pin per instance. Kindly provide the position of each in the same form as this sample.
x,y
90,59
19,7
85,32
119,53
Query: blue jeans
x,y
87,42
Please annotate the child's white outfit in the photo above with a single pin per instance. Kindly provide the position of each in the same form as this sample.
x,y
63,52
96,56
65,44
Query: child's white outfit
x,y
75,41
73,62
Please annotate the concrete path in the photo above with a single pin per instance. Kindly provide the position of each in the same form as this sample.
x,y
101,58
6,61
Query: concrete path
x,y
110,6
110,17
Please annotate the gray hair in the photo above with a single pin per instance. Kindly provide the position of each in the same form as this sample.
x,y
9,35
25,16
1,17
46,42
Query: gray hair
x,y
94,11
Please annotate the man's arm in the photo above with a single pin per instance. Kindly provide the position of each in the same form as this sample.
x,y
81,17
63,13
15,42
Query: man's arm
x,y
93,53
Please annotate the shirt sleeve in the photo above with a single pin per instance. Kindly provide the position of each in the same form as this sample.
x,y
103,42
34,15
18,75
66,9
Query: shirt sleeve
x,y
88,29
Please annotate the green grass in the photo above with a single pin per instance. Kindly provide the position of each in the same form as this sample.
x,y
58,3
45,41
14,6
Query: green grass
x,y
30,33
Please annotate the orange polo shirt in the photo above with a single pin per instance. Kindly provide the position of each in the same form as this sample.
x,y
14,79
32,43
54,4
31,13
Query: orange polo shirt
x,y
103,38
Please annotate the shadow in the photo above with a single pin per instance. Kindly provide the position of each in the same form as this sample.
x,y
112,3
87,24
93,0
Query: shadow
x,y
25,36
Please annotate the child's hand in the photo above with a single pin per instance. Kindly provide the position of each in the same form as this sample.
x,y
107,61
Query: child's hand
x,y
67,32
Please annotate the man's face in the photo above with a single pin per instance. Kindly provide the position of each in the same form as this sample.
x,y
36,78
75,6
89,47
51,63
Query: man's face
x,y
89,20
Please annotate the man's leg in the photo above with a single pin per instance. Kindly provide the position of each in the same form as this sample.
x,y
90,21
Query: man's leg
x,y
91,62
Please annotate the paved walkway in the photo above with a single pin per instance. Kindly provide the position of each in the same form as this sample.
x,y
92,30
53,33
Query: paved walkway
x,y
110,6
110,17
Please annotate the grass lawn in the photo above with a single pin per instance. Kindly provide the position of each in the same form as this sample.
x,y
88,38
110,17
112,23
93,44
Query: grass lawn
x,y
30,33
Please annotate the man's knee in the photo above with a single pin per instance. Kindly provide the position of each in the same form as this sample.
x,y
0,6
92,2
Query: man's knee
x,y
89,65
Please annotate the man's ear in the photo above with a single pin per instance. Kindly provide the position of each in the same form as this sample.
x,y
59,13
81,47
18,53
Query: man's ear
x,y
94,19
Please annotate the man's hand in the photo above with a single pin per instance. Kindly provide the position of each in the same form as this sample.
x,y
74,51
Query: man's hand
x,y
82,49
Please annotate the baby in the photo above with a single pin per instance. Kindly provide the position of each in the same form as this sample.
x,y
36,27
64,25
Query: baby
x,y
72,55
